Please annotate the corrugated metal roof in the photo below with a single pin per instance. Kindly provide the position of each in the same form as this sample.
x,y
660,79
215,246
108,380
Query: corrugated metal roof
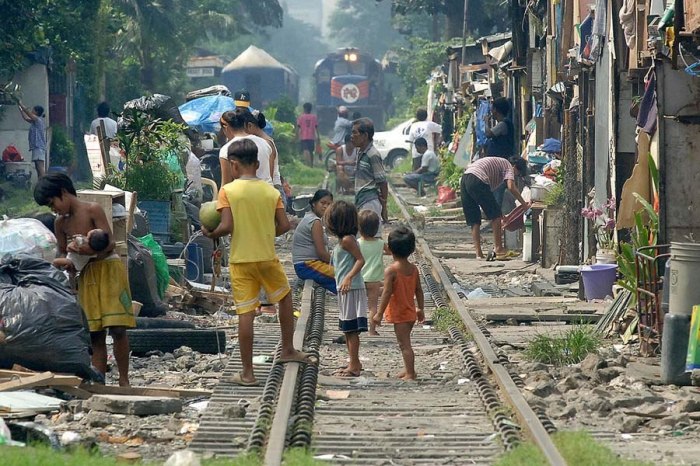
x,y
254,57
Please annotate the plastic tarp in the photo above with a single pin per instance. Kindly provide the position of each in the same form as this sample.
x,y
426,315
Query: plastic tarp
x,y
481,113
204,113
142,279
42,326
160,262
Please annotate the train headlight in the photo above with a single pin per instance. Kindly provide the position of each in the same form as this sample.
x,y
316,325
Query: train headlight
x,y
351,56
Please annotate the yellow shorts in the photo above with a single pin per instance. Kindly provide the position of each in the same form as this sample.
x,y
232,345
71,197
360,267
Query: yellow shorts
x,y
247,279
103,293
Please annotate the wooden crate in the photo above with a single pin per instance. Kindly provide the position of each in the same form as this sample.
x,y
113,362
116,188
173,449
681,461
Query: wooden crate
x,y
692,15
106,199
122,249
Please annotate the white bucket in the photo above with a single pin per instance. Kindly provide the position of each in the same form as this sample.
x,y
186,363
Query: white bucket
x,y
605,256
538,193
685,274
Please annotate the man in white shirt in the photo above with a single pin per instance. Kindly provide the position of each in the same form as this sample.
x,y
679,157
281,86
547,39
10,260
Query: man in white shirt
x,y
103,115
428,170
423,128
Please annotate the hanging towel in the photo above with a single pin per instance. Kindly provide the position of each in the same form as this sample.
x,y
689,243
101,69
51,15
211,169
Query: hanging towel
x,y
629,27
599,29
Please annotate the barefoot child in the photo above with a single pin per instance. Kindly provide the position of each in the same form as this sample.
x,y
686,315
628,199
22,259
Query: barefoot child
x,y
253,213
103,284
310,254
401,285
373,271
341,219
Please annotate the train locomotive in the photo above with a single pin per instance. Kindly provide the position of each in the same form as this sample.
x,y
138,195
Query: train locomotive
x,y
351,78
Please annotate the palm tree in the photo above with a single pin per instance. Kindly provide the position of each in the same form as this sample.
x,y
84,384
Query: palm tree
x,y
161,33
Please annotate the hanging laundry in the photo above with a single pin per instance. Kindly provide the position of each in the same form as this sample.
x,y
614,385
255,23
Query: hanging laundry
x,y
648,110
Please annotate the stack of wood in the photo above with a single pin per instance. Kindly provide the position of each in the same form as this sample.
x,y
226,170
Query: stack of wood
x,y
16,401
188,296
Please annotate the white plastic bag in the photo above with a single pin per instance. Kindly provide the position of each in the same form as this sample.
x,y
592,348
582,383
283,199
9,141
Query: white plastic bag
x,y
28,236
478,294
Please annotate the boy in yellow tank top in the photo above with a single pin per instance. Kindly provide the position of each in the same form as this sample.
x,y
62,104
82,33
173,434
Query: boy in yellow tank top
x,y
253,213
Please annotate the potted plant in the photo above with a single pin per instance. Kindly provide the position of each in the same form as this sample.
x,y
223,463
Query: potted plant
x,y
152,170
603,219
62,153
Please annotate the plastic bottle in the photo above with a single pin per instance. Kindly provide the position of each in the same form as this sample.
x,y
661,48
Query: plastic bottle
x,y
527,241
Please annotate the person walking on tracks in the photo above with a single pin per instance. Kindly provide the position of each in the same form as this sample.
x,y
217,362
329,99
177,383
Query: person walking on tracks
x,y
253,213
371,189
478,184
402,289
342,221
307,133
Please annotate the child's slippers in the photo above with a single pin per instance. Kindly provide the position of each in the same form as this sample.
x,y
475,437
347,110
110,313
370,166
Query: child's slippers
x,y
506,256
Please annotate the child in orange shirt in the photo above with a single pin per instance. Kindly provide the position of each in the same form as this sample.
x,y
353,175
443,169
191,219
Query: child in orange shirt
x,y
401,284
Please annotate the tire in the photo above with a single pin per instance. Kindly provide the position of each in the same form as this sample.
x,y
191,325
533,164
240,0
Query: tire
x,y
395,158
329,161
168,340
143,323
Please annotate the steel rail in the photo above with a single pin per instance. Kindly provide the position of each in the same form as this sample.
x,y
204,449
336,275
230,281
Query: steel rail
x,y
529,420
278,432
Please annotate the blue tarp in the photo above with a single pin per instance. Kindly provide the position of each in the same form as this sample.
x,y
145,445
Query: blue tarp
x,y
204,113
481,113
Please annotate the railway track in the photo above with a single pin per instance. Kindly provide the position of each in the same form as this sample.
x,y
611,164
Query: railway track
x,y
453,413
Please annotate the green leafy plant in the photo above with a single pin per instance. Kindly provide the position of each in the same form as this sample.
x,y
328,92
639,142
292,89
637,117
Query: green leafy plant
x,y
450,174
446,317
555,195
570,347
152,147
62,148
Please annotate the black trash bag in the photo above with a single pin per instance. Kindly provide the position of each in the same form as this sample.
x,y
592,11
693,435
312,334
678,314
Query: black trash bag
x,y
42,326
142,279
18,266
162,107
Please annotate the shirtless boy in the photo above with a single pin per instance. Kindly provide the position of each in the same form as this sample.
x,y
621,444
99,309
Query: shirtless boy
x,y
103,285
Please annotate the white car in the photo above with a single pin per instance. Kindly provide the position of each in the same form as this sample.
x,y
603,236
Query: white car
x,y
393,145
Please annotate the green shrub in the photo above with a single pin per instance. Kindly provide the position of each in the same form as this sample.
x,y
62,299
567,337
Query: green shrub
x,y
570,347
62,148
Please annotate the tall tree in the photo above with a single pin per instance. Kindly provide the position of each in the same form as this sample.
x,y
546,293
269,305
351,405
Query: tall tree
x,y
56,26
365,24
161,34
483,16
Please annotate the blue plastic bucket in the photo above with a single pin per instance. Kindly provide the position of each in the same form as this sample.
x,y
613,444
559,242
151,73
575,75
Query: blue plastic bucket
x,y
194,263
158,215
598,280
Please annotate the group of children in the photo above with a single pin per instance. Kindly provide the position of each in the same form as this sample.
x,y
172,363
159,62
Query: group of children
x,y
252,212
367,292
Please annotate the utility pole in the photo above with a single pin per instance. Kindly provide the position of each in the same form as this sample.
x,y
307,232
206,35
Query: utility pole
x,y
464,33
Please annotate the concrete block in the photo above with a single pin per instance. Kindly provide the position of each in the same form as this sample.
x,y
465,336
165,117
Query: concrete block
x,y
545,289
135,405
